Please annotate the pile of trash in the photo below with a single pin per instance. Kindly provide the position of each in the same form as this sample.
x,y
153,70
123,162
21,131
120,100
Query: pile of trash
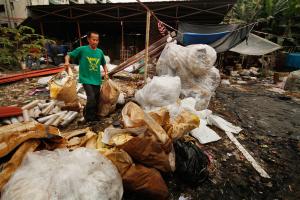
x,y
47,112
160,135
242,76
194,65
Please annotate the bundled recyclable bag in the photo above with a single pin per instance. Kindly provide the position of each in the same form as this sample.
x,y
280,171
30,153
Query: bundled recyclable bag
x,y
109,95
81,174
63,87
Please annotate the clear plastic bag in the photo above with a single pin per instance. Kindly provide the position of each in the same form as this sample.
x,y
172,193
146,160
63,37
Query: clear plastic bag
x,y
60,174
160,91
194,65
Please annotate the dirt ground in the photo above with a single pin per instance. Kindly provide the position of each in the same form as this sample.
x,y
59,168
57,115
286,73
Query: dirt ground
x,y
271,133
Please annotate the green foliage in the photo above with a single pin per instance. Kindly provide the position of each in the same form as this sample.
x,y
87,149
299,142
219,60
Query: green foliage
x,y
17,43
277,17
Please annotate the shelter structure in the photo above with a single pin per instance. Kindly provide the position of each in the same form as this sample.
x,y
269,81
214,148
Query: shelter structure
x,y
120,23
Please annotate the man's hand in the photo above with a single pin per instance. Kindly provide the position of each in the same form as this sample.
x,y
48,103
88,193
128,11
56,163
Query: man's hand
x,y
67,65
67,62
106,77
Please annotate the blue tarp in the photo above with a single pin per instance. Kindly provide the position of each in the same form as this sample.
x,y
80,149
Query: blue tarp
x,y
221,37
293,60
200,38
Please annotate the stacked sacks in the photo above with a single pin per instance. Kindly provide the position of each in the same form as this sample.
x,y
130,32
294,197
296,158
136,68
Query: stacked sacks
x,y
194,65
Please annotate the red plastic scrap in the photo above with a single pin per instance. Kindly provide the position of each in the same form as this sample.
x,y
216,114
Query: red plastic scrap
x,y
9,111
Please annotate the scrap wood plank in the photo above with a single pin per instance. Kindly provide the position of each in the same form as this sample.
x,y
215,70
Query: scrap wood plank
x,y
30,74
154,48
253,162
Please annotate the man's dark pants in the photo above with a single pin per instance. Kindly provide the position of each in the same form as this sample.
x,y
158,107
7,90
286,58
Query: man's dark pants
x,y
91,108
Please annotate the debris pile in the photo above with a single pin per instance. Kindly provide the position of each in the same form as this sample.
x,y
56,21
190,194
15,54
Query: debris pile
x,y
160,135
194,65
46,112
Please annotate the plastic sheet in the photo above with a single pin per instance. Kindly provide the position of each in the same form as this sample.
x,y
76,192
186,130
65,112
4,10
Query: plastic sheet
x,y
160,91
194,65
81,174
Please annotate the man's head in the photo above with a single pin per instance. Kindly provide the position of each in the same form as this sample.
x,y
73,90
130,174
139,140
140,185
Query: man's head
x,y
93,39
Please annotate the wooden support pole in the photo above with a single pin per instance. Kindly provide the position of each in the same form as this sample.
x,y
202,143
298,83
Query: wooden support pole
x,y
43,34
42,28
122,43
79,33
147,45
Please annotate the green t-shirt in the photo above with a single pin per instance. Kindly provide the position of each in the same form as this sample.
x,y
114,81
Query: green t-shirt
x,y
89,64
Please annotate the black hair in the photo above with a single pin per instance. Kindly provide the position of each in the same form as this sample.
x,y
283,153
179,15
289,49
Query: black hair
x,y
92,32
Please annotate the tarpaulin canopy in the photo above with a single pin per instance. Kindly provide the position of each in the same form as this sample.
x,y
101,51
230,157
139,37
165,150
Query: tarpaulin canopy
x,y
222,37
255,46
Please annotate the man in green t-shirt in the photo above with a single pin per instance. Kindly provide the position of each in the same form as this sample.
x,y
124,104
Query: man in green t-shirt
x,y
90,58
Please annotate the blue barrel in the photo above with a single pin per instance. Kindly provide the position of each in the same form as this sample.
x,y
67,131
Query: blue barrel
x,y
293,60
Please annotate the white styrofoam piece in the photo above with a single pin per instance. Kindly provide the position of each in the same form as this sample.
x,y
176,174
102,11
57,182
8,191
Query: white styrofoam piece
x,y
204,134
223,124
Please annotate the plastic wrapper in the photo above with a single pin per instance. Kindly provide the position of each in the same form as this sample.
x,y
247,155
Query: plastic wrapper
x,y
191,162
60,174
160,91
133,117
182,124
194,65
109,95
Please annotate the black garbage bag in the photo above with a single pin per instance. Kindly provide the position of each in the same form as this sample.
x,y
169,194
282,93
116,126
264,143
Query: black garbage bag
x,y
191,162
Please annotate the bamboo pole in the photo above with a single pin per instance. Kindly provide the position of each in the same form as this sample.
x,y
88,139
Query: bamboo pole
x,y
147,44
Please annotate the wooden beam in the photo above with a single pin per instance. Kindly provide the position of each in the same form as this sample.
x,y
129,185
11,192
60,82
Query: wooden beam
x,y
158,44
147,45
42,28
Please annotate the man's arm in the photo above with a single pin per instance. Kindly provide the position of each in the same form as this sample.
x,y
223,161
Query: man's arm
x,y
74,55
105,71
67,62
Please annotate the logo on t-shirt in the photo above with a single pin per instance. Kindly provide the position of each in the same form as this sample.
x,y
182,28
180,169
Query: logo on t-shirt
x,y
93,63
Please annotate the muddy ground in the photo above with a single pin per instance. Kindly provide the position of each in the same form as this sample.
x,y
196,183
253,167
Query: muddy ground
x,y
271,127
271,133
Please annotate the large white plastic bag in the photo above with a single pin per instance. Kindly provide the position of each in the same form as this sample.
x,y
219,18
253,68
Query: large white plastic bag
x,y
194,65
83,174
160,91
